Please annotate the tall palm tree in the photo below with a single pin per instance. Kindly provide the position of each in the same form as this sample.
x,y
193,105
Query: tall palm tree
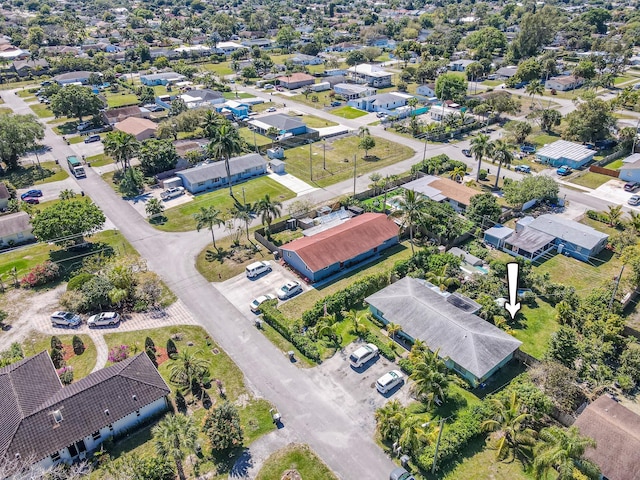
x,y
355,318
272,133
535,87
268,210
480,148
561,451
509,420
187,367
389,420
225,143
242,213
442,279
430,378
209,217
614,214
411,208
363,131
121,146
634,221
418,349
175,436
211,123
393,329
414,435
503,152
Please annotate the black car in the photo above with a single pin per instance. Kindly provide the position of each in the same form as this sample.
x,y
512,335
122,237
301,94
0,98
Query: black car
x,y
631,186
466,153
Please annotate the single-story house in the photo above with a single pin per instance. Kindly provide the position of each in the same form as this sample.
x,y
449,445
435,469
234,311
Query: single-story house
x,y
52,423
264,43
343,47
115,115
446,323
497,235
562,152
372,75
9,52
563,83
296,80
228,48
615,429
630,170
443,190
535,237
31,67
211,176
382,102
439,112
303,59
5,196
428,90
202,98
164,78
352,91
141,128
505,73
318,256
460,65
285,124
239,109
68,78
15,228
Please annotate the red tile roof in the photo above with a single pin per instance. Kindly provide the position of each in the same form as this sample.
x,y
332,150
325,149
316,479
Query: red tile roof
x,y
345,241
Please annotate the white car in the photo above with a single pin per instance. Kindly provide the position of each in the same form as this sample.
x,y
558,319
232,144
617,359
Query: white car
x,y
255,305
103,319
289,289
363,354
172,192
389,381
271,109
65,319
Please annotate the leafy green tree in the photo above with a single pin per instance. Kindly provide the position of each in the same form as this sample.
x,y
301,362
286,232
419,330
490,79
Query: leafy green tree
x,y
121,146
528,70
411,208
157,156
175,437
134,467
18,134
268,210
480,148
563,347
226,143
483,206
67,222
549,118
486,40
223,429
598,17
75,101
154,207
590,121
389,421
537,29
146,95
355,57
286,36
177,107
560,454
519,130
451,87
430,377
367,143
209,217
131,183
585,69
541,187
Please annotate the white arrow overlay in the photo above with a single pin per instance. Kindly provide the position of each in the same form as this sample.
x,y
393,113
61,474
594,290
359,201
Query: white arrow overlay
x,y
512,280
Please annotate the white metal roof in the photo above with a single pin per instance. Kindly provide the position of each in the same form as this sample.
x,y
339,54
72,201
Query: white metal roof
x,y
564,149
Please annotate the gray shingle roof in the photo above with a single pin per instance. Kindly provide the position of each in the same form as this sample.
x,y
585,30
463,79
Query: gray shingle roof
x,y
73,75
530,240
14,223
218,170
468,340
164,76
568,230
282,121
83,404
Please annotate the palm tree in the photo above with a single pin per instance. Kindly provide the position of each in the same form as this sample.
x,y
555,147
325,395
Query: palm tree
x,y
458,173
187,367
534,88
211,123
562,450
121,146
357,327
393,329
430,378
67,194
154,207
389,420
225,143
268,210
411,208
503,152
175,436
634,221
272,132
208,217
509,420
480,148
242,213
418,349
363,131
415,434
412,102
442,279
614,214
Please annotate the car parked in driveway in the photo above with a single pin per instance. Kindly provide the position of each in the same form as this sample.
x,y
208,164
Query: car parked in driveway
x,y
289,289
92,138
634,200
103,319
172,192
31,193
400,474
389,381
523,168
631,186
336,104
31,200
65,319
564,170
255,305
363,354
271,109
257,268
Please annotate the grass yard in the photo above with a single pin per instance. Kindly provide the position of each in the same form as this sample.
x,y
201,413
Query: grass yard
x,y
5,111
122,100
312,121
82,364
543,139
249,136
348,112
219,69
298,457
295,307
180,218
236,95
27,176
41,110
324,99
492,83
591,179
536,329
99,160
25,94
76,139
339,159
23,83
615,165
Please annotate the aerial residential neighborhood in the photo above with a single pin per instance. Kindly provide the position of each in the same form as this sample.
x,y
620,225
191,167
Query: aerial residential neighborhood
x,y
319,240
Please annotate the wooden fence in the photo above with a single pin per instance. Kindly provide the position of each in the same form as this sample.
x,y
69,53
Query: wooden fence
x,y
604,171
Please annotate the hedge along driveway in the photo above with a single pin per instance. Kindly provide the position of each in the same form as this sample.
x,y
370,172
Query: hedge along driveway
x,y
180,218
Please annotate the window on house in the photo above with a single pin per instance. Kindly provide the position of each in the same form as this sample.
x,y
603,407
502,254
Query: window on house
x,y
55,456
111,428
137,413
96,435
57,416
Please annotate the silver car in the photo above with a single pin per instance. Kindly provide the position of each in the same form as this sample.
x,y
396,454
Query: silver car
x,y
389,381
255,305
103,319
65,319
289,289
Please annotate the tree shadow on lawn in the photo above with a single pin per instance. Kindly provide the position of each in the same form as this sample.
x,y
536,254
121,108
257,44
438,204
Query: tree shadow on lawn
x,y
219,255
24,177
70,259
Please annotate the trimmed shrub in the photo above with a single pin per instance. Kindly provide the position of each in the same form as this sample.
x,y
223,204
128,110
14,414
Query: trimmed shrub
x,y
78,345
57,357
41,274
274,317
597,216
119,353
75,283
149,345
385,351
66,375
56,343
152,356
406,365
172,350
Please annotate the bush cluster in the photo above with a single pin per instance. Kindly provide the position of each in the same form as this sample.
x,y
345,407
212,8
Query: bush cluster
x,y
274,317
66,375
385,351
119,353
41,274
78,345
598,216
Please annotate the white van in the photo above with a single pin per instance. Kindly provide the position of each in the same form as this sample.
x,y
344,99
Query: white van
x,y
257,268
363,354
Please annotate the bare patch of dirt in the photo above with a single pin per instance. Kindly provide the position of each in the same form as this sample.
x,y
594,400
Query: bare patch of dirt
x,y
161,355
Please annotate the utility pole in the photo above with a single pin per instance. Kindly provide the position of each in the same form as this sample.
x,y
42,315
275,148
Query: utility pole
x,y
354,175
310,163
324,154
435,454
615,289
424,153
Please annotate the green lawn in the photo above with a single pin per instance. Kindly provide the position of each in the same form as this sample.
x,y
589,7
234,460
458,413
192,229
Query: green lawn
x,y
122,100
219,69
99,160
541,140
339,159
298,457
324,99
615,165
5,111
536,329
41,110
312,121
23,83
492,83
82,364
591,179
180,218
25,94
250,136
236,95
348,112
76,139
27,176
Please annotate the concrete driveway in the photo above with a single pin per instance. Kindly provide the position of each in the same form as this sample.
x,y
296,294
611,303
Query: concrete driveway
x,y
241,291
613,191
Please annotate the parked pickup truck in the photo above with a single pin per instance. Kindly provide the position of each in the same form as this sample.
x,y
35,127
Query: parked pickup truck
x,y
564,170
173,192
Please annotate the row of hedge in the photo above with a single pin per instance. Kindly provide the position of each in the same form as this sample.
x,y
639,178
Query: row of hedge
x,y
597,216
385,350
346,299
276,319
